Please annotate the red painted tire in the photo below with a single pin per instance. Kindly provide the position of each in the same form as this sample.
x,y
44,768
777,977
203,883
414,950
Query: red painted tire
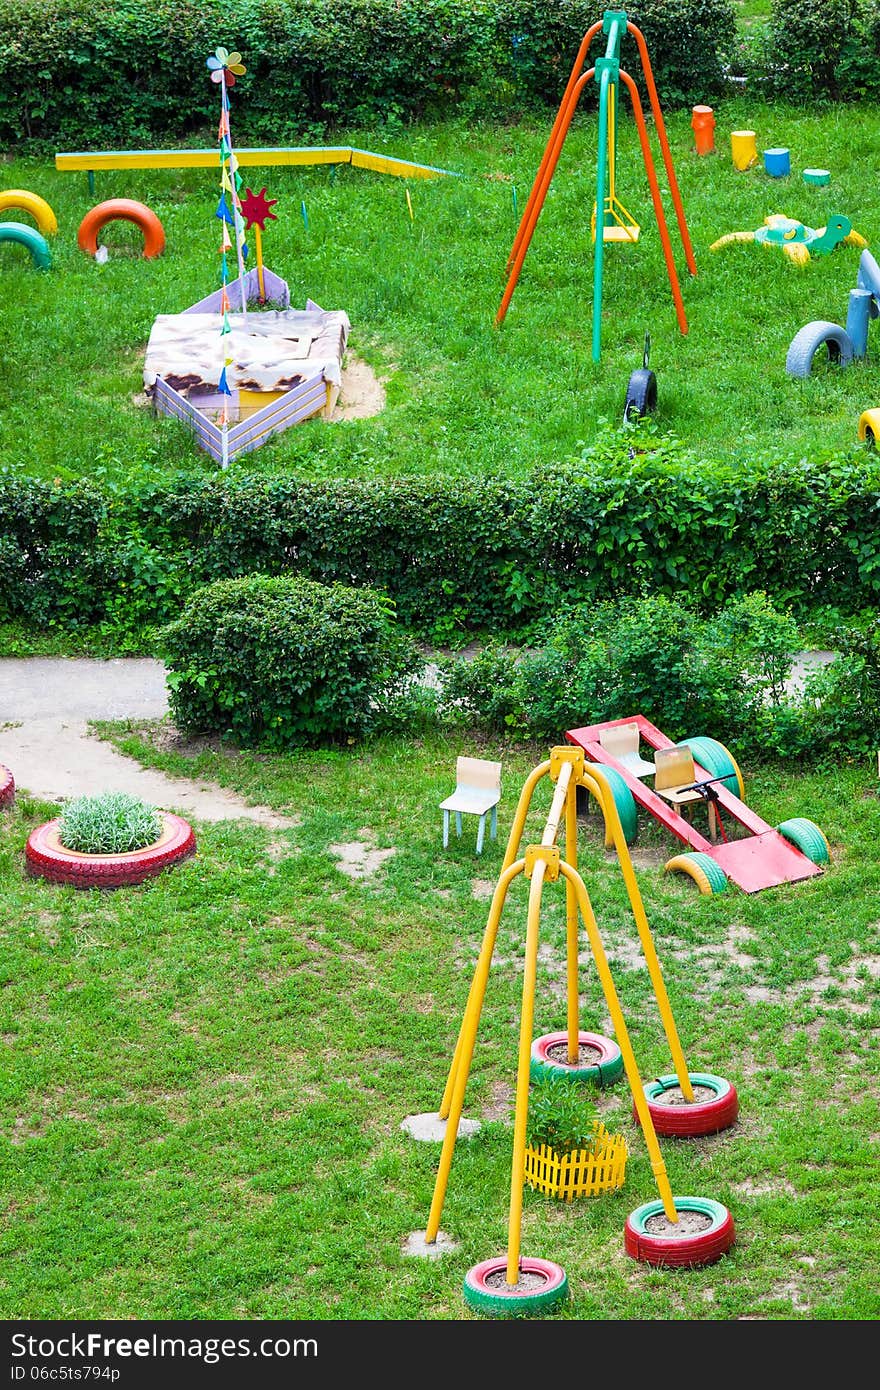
x,y
47,858
544,1288
715,1107
549,1057
7,786
674,1244
125,210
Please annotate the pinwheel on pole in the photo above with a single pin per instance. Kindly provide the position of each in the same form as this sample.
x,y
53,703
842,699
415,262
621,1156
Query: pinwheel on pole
x,y
224,67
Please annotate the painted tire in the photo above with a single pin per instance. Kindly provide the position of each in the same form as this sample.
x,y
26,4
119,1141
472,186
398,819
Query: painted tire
x,y
641,394
38,208
27,236
707,875
47,858
809,339
667,1247
125,210
624,802
717,760
604,1071
705,1115
486,1290
7,786
808,838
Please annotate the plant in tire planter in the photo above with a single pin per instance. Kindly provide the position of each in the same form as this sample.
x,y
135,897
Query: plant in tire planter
x,y
569,1152
7,786
107,841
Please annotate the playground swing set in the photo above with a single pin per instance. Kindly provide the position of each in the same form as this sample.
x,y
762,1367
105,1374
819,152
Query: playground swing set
x,y
512,1284
615,222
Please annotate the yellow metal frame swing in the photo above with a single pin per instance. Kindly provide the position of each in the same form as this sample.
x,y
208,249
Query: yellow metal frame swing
x,y
542,863
618,224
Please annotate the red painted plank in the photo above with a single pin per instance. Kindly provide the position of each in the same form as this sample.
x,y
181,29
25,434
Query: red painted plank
x,y
763,861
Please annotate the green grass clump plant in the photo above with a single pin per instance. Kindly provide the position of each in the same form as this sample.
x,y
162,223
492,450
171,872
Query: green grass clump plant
x,y
561,1115
109,823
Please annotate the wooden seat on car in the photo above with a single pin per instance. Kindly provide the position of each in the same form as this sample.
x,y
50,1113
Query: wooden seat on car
x,y
622,742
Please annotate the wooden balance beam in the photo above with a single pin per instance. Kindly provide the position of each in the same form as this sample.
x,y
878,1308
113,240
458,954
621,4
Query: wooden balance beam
x,y
92,160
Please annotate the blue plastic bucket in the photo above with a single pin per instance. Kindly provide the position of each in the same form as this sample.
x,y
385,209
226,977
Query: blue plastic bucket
x,y
777,163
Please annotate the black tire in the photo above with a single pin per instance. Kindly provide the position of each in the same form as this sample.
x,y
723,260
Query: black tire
x,y
809,339
641,394
544,1288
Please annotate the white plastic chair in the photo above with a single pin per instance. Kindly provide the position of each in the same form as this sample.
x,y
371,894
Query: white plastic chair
x,y
477,793
622,742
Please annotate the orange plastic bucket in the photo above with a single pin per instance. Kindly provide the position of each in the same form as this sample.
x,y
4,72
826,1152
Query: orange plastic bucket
x,y
703,126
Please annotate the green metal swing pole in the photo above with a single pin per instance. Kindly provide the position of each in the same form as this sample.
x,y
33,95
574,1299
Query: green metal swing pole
x,y
606,72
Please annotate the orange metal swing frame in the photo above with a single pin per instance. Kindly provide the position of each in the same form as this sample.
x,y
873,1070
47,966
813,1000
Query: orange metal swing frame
x,y
608,74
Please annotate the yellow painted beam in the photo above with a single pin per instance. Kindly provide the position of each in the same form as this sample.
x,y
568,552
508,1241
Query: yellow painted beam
x,y
402,168
92,160
196,159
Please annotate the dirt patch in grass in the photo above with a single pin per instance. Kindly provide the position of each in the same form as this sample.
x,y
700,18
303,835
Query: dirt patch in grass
x,y
359,858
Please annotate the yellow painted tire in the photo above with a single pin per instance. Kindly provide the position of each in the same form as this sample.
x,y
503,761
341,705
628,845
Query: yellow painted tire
x,y
38,208
707,875
869,427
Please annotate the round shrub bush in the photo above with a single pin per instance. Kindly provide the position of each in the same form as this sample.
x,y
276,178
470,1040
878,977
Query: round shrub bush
x,y
110,823
281,662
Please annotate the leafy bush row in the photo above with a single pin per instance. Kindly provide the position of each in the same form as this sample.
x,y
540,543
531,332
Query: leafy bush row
x,y
74,74
282,662
727,675
814,50
457,557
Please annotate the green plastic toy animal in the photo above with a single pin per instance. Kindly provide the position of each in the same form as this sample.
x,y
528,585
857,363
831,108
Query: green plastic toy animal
x,y
797,241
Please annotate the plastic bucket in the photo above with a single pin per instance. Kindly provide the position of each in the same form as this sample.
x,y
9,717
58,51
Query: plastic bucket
x,y
743,149
777,163
703,126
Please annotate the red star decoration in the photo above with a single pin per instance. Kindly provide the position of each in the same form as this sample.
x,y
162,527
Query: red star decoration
x,y
255,208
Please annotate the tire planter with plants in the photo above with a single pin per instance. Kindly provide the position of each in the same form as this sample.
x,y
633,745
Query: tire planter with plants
x,y
715,1105
600,1060
703,1233
46,857
7,786
542,1287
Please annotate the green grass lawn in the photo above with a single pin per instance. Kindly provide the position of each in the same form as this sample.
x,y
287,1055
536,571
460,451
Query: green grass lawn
x,y
422,292
205,1076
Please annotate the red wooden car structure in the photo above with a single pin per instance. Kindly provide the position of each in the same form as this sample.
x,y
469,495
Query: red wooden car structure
x,y
740,846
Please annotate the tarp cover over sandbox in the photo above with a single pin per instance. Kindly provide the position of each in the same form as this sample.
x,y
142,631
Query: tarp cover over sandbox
x,y
282,365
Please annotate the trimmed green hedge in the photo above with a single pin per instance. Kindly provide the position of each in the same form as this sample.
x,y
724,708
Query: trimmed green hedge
x,y
132,72
282,662
455,557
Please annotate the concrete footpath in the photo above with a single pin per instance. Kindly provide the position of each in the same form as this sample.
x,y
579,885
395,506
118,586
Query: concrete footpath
x,y
46,704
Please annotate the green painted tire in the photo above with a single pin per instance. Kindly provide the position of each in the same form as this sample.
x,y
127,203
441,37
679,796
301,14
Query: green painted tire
x,y
718,761
624,802
808,838
545,1288
707,875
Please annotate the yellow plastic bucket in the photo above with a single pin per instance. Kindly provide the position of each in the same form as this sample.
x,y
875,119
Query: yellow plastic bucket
x,y
743,148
